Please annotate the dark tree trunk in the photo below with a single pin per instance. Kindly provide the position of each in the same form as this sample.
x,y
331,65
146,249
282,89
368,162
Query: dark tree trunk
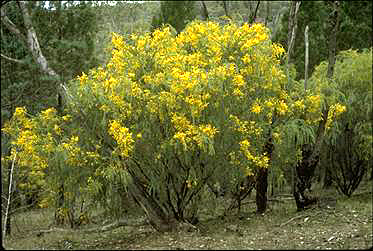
x,y
58,215
261,190
262,180
253,14
304,173
157,216
225,8
305,168
267,13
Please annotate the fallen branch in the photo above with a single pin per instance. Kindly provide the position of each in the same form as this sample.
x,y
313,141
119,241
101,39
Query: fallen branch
x,y
296,217
114,225
117,224
283,200
299,216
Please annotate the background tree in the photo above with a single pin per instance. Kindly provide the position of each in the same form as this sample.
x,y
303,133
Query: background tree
x,y
312,13
175,13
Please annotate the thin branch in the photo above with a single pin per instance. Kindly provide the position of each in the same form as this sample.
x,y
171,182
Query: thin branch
x,y
114,225
10,191
13,59
296,217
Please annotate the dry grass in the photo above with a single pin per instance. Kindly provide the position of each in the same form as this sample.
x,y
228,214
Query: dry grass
x,y
347,226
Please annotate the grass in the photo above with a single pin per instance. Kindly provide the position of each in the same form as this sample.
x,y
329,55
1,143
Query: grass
x,y
348,225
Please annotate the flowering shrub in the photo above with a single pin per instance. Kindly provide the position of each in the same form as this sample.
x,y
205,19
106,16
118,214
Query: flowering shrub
x,y
171,112
49,157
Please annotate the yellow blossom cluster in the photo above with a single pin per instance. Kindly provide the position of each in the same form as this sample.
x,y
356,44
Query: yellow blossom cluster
x,y
259,161
187,134
122,136
41,146
334,111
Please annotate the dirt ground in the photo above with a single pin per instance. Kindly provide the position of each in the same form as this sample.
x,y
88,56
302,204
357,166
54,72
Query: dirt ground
x,y
345,225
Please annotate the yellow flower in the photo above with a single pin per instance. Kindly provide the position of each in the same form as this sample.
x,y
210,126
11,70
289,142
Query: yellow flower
x,y
57,129
48,114
245,144
299,104
209,130
256,108
83,79
66,117
20,112
268,103
140,44
282,107
122,136
238,80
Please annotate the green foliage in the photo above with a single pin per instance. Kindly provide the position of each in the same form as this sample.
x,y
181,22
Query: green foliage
x,y
351,136
175,13
66,36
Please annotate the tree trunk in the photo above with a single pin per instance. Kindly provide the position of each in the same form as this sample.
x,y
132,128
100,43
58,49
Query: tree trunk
x,y
262,180
157,216
267,13
30,40
225,8
292,27
306,57
253,14
334,27
305,168
7,225
261,190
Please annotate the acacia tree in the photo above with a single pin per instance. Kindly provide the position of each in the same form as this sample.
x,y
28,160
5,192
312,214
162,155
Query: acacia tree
x,y
347,150
166,114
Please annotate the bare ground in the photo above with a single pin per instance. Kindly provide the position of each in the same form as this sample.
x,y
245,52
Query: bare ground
x,y
346,225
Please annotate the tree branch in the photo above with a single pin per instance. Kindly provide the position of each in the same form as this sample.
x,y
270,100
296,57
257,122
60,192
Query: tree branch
x,y
114,225
11,26
12,59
